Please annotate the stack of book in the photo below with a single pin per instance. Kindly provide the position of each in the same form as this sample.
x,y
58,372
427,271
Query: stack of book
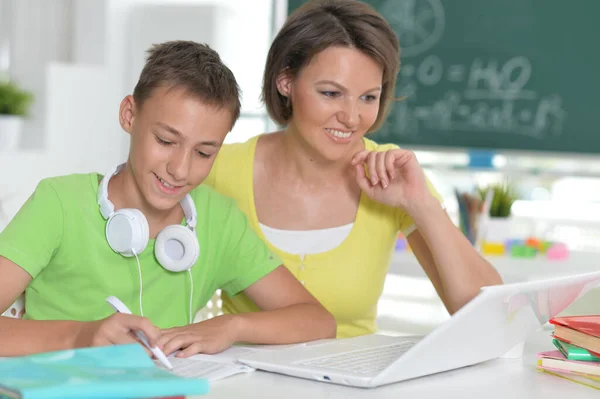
x,y
577,339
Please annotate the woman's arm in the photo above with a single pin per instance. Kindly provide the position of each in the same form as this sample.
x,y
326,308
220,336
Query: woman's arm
x,y
455,268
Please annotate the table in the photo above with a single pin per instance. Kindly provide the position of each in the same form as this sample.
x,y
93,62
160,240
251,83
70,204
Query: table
x,y
511,269
496,379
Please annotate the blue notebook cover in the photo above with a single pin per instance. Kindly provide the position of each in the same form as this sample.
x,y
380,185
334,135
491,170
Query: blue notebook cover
x,y
107,372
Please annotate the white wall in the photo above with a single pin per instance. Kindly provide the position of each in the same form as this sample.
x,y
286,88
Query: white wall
x,y
40,33
88,39
80,136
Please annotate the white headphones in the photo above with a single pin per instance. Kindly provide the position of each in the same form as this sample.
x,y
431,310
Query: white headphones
x,y
127,232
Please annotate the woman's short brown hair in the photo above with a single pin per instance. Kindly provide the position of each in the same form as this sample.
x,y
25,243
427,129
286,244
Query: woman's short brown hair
x,y
320,24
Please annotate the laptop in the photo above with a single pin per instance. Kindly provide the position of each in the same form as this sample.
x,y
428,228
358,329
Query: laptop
x,y
490,325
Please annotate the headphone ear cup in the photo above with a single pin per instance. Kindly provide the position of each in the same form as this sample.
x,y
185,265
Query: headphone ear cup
x,y
127,230
176,248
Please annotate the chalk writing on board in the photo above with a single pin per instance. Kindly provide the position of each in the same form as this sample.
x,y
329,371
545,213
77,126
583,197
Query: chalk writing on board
x,y
418,23
485,95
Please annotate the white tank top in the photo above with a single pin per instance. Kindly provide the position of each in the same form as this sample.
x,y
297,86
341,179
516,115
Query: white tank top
x,y
306,242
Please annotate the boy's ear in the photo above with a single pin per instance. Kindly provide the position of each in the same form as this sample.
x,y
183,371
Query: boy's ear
x,y
284,83
127,113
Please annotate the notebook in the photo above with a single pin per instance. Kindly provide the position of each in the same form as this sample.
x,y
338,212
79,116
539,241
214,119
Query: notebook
x,y
498,319
219,366
107,372
556,361
591,382
572,352
210,367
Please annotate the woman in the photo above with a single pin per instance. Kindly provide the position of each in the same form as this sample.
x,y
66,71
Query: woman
x,y
326,199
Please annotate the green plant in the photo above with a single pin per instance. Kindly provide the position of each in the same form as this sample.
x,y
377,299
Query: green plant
x,y
504,197
13,100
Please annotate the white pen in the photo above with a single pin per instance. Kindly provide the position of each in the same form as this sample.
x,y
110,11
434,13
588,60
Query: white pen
x,y
122,308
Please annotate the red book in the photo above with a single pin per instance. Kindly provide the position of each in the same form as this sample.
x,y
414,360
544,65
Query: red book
x,y
582,331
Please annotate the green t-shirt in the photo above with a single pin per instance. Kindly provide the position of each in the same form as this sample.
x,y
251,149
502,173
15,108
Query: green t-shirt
x,y
58,237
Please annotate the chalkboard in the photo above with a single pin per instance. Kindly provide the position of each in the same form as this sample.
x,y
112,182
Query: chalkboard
x,y
484,74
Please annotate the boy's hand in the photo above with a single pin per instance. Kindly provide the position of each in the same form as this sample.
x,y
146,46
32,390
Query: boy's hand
x,y
210,336
117,329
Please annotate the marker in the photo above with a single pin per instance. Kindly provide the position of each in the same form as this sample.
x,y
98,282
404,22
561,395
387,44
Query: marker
x,y
121,308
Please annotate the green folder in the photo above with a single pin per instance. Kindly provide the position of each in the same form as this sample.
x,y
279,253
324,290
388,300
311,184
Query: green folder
x,y
573,352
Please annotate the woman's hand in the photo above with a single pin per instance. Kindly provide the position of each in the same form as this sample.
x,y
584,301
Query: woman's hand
x,y
210,336
392,177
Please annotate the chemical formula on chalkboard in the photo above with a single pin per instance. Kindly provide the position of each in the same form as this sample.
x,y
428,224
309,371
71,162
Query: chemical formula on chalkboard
x,y
486,96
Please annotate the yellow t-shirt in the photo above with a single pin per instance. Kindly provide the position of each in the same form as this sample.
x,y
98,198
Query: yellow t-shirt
x,y
347,280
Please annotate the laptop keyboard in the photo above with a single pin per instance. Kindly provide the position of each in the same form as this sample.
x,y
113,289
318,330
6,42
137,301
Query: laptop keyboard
x,y
362,361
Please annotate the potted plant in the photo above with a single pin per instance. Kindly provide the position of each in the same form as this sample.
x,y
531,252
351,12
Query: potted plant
x,y
14,107
498,201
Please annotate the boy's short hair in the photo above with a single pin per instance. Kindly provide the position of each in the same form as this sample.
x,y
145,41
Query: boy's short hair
x,y
194,67
318,25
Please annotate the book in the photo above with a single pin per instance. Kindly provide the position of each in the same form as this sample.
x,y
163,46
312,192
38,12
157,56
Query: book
x,y
581,331
587,381
108,372
572,352
556,361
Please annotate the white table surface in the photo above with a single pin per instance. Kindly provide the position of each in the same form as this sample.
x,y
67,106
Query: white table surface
x,y
512,269
497,379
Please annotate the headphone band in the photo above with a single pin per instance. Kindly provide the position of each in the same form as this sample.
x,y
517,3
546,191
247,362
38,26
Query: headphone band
x,y
107,208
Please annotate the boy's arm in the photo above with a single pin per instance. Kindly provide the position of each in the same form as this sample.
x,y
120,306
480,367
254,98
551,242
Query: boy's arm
x,y
290,313
26,247
21,337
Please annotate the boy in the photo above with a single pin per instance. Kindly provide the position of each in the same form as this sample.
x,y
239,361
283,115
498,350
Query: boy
x,y
136,234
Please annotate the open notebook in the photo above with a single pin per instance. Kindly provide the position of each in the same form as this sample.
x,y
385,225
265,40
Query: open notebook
x,y
219,366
